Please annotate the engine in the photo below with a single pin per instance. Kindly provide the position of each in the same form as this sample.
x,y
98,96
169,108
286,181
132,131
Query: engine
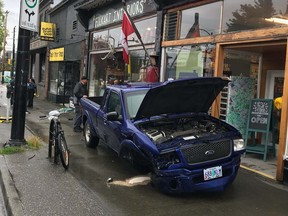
x,y
187,128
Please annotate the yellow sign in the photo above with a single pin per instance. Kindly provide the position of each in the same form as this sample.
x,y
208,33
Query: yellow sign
x,y
47,31
57,54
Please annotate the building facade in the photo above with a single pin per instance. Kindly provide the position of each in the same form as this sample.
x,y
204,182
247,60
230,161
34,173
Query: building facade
x,y
66,52
39,52
105,61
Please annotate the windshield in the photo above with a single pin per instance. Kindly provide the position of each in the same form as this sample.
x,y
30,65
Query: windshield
x,y
133,102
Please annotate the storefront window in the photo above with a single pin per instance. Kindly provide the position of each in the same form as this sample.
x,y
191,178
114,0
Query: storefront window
x,y
105,72
253,14
54,77
64,77
42,68
111,70
190,61
206,21
99,40
115,37
194,22
147,30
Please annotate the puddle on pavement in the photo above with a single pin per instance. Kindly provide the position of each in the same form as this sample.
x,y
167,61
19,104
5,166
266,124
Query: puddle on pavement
x,y
134,181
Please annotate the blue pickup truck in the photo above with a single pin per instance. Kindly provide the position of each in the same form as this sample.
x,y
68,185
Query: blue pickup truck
x,y
166,127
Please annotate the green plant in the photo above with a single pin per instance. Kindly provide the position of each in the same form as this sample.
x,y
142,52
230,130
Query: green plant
x,y
11,150
33,142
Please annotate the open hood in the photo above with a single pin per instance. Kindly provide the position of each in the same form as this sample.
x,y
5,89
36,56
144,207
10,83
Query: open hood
x,y
181,96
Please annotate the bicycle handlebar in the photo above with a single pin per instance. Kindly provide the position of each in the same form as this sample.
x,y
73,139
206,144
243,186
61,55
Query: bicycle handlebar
x,y
56,113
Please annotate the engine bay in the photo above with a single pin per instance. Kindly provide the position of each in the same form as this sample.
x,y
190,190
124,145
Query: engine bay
x,y
188,128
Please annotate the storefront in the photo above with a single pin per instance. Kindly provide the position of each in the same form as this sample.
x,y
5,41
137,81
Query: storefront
x,y
105,61
66,52
236,40
64,76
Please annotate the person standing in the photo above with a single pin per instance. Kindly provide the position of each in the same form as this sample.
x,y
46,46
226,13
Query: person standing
x,y
31,91
80,90
152,72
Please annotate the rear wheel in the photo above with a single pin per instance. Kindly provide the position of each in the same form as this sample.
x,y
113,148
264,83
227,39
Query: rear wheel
x,y
91,141
63,150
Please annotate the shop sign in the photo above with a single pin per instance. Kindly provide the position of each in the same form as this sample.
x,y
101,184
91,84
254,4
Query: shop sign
x,y
47,31
260,114
57,54
114,15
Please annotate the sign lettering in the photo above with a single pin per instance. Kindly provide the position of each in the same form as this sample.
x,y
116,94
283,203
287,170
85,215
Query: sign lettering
x,y
57,54
135,8
260,114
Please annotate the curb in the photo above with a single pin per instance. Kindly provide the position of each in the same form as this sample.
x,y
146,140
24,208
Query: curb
x,y
11,198
259,173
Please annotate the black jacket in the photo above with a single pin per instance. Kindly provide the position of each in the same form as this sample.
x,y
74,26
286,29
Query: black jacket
x,y
79,90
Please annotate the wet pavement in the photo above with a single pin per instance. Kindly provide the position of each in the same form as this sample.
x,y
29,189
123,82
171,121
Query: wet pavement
x,y
34,186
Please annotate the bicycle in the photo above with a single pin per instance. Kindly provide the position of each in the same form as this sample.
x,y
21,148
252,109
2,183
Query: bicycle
x,y
57,145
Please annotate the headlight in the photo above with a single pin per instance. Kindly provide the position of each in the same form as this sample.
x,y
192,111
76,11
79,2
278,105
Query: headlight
x,y
238,144
167,159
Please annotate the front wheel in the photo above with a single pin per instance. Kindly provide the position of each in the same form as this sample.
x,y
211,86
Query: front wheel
x,y
91,141
52,150
63,150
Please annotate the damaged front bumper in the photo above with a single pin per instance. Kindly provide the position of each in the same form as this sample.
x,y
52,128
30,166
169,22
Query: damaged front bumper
x,y
181,181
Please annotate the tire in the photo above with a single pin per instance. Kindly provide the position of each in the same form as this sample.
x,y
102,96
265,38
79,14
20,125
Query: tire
x,y
63,150
91,141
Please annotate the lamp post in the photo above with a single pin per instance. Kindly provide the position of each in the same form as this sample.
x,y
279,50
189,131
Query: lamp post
x,y
4,45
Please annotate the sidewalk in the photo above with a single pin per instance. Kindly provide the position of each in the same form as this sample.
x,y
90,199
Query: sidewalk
x,y
33,186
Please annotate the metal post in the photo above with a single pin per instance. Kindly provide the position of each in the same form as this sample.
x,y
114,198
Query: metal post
x,y
4,45
21,77
13,54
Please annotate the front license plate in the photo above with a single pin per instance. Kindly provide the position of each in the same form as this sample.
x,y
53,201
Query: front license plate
x,y
212,173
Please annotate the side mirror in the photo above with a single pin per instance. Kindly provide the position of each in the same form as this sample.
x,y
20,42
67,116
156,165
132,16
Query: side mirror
x,y
112,116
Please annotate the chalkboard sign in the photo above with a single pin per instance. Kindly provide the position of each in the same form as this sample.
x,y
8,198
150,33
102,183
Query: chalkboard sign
x,y
260,113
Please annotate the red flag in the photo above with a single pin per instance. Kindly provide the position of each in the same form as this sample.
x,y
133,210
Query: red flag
x,y
127,29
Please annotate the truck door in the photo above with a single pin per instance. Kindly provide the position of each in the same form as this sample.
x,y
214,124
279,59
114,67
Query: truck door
x,y
112,129
101,116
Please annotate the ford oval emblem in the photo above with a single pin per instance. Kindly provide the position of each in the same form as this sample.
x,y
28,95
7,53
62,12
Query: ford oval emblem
x,y
209,152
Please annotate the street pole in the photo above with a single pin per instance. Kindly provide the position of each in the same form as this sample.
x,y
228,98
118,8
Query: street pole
x,y
13,54
4,45
21,77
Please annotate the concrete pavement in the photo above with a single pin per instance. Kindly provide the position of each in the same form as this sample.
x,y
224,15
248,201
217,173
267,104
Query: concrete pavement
x,y
32,185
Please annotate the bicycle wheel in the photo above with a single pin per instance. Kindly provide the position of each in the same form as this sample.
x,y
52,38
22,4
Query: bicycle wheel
x,y
63,150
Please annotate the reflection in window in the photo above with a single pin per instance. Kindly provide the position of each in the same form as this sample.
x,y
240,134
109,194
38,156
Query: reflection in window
x,y
114,103
190,61
251,14
147,30
194,22
138,61
104,72
115,37
99,41
206,21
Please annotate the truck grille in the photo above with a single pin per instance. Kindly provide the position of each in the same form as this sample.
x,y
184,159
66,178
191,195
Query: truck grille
x,y
204,152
